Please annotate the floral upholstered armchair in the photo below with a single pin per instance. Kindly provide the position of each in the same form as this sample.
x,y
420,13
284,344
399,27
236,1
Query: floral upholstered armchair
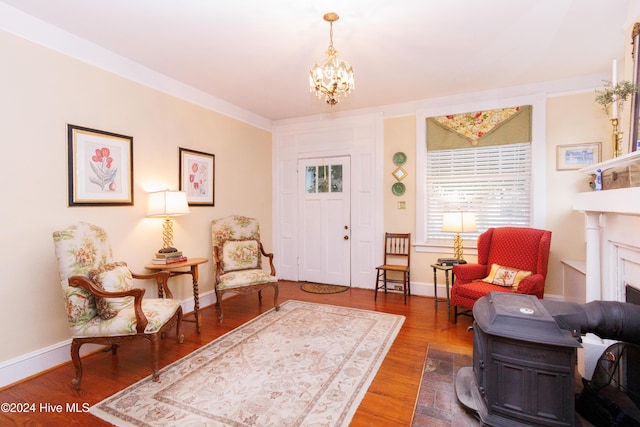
x,y
237,257
510,259
102,305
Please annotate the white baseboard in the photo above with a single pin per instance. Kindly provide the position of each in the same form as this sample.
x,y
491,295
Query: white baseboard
x,y
36,362
554,297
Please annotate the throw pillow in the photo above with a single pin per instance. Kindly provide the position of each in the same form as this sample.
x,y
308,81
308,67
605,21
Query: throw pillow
x,y
506,276
241,255
112,277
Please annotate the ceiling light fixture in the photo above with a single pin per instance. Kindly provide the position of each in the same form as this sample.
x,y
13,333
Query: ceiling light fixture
x,y
335,77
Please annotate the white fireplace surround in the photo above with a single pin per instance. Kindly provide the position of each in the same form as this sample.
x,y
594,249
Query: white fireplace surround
x,y
612,234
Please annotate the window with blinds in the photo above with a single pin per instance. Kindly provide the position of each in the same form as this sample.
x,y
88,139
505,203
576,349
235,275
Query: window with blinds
x,y
493,181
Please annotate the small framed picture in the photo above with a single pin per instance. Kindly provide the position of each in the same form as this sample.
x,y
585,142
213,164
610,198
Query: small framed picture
x,y
197,173
577,156
100,167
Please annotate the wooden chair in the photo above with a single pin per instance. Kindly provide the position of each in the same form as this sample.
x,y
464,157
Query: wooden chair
x,y
102,305
237,257
522,257
397,260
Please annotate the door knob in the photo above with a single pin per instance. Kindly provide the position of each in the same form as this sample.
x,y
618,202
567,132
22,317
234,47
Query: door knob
x,y
346,237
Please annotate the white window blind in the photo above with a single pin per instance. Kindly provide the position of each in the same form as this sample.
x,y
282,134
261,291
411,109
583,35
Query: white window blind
x,y
494,182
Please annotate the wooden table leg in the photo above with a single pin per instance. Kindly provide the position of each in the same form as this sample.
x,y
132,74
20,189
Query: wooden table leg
x,y
446,280
435,287
196,298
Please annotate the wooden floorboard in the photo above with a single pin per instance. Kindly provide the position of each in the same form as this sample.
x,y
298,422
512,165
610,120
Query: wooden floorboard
x,y
389,401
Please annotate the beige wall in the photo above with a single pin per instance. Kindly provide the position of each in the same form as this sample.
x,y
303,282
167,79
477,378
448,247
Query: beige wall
x,y
571,119
42,91
400,135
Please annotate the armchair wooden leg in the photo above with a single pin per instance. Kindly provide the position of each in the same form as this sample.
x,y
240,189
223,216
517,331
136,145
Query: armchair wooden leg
x,y
275,297
179,334
77,363
155,349
219,305
113,348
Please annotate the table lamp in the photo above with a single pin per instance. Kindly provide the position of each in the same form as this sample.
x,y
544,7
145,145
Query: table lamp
x,y
167,204
459,222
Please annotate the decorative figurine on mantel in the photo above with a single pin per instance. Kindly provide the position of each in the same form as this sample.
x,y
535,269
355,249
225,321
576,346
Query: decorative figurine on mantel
x,y
614,95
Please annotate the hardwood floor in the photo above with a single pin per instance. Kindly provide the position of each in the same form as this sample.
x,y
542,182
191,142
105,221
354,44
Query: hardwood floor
x,y
389,401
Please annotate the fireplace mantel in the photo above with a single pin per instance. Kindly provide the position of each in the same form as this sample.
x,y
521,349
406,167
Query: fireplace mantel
x,y
612,221
612,259
624,201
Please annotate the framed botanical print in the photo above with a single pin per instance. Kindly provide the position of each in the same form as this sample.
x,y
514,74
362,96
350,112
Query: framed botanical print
x,y
100,167
197,174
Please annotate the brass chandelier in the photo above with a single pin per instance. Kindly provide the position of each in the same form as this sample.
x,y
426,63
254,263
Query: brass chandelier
x,y
335,77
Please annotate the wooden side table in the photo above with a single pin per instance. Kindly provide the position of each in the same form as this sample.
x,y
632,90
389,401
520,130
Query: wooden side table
x,y
446,269
178,269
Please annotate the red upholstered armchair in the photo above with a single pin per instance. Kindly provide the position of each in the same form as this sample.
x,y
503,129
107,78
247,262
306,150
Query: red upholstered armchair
x,y
525,249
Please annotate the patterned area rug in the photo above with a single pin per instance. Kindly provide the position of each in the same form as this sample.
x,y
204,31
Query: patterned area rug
x,y
321,288
437,404
307,364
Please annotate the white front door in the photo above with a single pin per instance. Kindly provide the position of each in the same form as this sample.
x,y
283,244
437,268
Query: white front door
x,y
325,226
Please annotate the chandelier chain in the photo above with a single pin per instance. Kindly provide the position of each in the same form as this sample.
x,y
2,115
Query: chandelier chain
x,y
331,36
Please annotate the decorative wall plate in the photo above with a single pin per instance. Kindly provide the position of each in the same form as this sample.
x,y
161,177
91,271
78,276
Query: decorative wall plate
x,y
398,189
399,173
399,158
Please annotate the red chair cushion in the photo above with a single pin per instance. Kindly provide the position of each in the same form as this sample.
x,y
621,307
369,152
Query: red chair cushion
x,y
476,290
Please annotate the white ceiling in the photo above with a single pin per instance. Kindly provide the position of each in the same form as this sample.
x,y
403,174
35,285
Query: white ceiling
x,y
256,54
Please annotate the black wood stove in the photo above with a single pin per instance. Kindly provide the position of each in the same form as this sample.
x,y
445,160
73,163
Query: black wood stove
x,y
524,356
523,364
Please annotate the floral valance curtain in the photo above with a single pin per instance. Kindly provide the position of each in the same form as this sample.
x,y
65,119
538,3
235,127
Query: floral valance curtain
x,y
479,128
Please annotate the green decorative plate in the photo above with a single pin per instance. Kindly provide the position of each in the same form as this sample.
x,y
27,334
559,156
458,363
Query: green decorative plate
x,y
398,189
399,158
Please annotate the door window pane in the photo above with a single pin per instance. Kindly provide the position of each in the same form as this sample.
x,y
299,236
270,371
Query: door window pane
x,y
336,178
310,179
323,179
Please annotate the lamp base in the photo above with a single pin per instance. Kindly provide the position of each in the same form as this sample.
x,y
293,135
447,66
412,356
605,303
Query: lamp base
x,y
457,248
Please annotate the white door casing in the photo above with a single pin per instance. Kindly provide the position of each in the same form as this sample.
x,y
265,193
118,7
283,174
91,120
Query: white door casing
x,y
361,139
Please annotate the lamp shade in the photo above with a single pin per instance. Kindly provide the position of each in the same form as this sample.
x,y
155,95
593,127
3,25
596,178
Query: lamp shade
x,y
459,222
167,203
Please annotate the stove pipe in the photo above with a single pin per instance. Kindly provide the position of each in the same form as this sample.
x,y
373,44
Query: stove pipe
x,y
607,319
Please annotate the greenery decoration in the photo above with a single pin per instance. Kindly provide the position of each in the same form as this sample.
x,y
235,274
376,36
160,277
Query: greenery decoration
x,y
621,91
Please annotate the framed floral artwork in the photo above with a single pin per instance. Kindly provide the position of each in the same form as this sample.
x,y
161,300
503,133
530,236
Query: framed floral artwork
x,y
197,173
100,167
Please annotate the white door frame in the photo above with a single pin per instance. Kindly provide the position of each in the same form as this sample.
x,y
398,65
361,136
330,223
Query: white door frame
x,y
359,137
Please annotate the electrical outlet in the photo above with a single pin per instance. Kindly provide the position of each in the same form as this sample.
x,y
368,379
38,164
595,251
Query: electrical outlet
x,y
397,287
